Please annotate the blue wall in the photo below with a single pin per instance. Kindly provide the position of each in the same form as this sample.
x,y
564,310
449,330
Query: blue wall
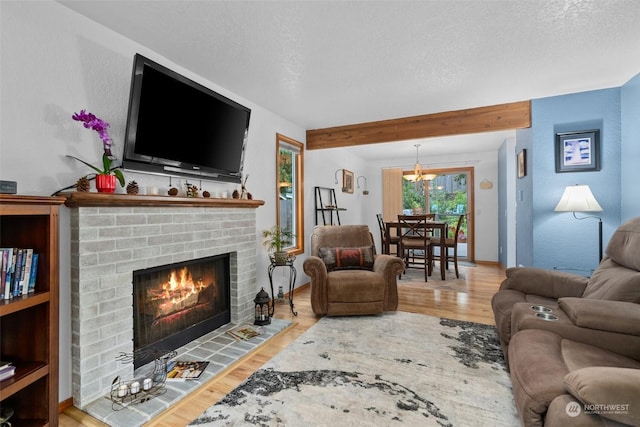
x,y
558,239
630,165
524,200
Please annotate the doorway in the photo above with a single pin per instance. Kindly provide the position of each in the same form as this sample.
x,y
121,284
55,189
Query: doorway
x,y
448,194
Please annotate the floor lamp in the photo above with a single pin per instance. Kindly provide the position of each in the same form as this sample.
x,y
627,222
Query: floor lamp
x,y
579,198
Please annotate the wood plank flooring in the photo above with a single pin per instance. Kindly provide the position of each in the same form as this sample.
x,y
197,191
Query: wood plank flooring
x,y
475,306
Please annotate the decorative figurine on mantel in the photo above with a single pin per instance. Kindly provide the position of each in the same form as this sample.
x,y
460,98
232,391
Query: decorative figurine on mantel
x,y
192,189
244,194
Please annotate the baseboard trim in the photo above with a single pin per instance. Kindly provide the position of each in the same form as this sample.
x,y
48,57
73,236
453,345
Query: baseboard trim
x,y
65,404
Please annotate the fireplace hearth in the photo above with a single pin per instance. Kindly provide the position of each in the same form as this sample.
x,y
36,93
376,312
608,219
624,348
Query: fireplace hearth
x,y
178,303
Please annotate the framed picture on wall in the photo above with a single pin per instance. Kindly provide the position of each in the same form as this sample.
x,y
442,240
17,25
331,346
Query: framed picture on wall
x,y
347,181
522,163
578,151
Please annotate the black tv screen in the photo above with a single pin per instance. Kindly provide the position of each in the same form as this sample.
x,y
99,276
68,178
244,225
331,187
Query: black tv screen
x,y
176,126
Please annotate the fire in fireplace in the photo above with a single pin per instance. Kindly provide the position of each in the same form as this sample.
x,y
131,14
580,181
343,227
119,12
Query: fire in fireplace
x,y
178,303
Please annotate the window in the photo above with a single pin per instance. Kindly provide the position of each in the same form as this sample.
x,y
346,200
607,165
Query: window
x,y
289,206
448,195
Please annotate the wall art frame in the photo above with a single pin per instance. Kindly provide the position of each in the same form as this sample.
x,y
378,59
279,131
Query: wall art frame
x,y
522,163
347,181
578,151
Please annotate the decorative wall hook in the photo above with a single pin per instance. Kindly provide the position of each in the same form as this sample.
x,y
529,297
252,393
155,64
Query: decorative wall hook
x,y
336,175
365,191
485,184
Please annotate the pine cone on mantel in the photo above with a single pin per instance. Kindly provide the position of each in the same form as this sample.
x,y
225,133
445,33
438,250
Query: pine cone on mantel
x,y
133,188
83,184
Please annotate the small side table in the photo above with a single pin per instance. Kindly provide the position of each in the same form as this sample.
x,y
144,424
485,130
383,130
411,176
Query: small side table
x,y
292,282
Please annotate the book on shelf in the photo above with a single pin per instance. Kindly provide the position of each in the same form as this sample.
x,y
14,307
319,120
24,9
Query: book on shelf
x,y
26,271
10,266
17,275
34,272
6,256
179,370
7,370
243,332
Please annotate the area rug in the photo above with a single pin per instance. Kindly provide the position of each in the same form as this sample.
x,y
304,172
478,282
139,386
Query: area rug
x,y
390,369
414,278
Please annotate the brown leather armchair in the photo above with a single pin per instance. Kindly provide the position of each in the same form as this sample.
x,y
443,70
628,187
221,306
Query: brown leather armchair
x,y
347,276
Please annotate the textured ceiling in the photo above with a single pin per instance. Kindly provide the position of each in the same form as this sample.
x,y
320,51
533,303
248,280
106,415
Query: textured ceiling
x,y
328,63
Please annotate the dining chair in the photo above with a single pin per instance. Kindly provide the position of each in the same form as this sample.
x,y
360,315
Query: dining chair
x,y
415,241
393,240
451,248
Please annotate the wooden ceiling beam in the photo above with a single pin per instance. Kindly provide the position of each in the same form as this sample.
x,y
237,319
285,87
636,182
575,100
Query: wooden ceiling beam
x,y
515,115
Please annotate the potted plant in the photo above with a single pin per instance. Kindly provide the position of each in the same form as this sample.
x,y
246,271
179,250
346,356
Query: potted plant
x,y
105,176
275,238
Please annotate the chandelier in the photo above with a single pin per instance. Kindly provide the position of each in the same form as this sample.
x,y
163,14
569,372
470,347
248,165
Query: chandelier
x,y
417,171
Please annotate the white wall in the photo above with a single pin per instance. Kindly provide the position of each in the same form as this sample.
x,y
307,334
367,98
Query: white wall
x,y
56,62
322,167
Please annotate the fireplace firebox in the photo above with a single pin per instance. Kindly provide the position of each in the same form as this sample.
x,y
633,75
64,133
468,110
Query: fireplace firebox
x,y
178,303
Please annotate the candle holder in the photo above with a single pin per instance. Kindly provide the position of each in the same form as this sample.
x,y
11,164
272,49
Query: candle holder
x,y
138,390
262,308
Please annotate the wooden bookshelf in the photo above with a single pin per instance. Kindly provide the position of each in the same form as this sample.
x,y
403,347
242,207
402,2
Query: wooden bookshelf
x,y
29,323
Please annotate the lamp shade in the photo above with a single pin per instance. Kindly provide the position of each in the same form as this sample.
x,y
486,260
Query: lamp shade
x,y
578,198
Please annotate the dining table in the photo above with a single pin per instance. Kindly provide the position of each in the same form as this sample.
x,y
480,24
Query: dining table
x,y
440,226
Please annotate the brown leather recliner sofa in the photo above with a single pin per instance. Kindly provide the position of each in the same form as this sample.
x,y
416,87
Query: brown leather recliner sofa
x,y
347,276
572,343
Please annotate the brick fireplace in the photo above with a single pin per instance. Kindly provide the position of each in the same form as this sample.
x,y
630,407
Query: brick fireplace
x,y
114,235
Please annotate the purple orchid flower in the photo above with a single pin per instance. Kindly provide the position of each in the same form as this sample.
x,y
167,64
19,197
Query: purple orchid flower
x,y
90,121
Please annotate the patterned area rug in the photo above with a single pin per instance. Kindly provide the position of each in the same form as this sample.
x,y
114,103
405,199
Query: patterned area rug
x,y
377,370
415,278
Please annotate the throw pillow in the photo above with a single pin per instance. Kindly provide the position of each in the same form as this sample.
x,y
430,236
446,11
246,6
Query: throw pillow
x,y
360,258
609,392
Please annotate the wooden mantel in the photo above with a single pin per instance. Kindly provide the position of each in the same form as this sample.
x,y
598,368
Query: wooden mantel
x,y
88,199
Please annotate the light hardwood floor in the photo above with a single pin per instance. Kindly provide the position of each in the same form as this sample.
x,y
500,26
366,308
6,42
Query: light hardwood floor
x,y
474,306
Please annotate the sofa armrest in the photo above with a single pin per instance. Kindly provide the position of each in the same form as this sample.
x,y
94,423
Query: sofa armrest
x,y
603,315
315,268
546,283
390,266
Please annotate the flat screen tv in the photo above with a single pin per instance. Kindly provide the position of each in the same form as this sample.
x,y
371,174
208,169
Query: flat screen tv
x,y
176,126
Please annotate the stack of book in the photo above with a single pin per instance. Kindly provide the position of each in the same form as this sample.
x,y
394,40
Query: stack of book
x,y
185,369
19,272
7,370
244,332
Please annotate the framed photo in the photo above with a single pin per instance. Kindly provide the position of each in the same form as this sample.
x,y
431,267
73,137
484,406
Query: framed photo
x,y
522,163
578,151
347,181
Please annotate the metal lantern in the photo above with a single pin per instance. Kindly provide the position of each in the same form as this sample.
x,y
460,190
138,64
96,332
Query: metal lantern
x,y
262,308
